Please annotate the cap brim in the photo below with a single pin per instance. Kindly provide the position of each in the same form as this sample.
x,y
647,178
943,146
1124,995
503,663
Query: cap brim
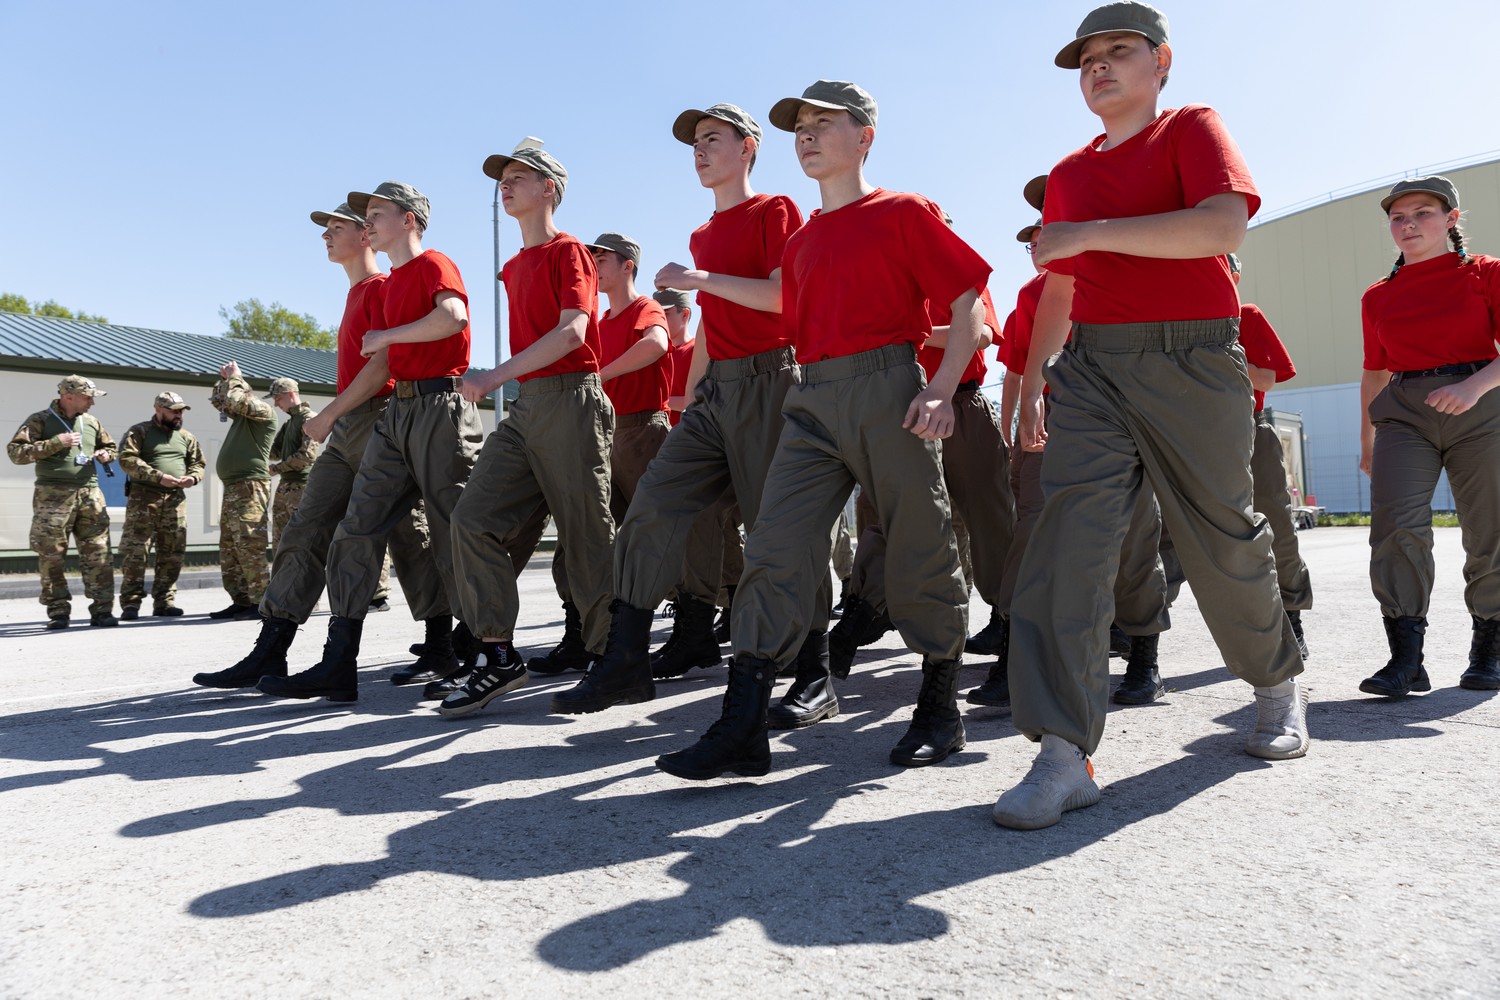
x,y
324,218
494,165
1072,52
359,201
784,112
1035,192
178,408
686,125
1391,199
1025,235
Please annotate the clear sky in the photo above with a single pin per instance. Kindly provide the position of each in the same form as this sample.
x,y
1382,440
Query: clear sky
x,y
160,159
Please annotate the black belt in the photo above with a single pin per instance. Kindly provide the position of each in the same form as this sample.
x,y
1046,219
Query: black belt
x,y
1467,368
970,386
428,386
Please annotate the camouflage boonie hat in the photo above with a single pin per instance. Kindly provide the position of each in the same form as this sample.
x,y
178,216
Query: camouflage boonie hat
x,y
170,401
81,385
282,386
672,298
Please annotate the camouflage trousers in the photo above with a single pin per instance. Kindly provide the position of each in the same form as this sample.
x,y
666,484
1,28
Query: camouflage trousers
x,y
159,518
244,533
57,512
288,497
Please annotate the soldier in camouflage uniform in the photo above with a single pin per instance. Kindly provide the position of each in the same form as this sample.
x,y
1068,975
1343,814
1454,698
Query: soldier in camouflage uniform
x,y
292,453
244,467
63,442
162,461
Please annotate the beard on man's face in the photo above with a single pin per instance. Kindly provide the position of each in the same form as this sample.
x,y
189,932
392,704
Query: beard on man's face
x,y
172,423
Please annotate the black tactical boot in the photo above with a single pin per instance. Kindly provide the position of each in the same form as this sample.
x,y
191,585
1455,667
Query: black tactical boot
x,y
1484,658
995,691
622,676
692,643
810,699
738,740
437,659
937,729
721,627
267,659
1142,682
335,676
570,653
860,626
986,642
1403,672
1295,617
1119,642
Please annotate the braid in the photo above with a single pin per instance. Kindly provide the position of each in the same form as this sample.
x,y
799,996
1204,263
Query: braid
x,y
1400,260
1456,237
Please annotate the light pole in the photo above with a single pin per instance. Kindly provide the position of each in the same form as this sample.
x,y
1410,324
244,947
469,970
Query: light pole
x,y
499,336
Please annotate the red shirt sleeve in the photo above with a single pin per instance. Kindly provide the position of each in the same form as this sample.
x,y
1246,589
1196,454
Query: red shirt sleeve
x,y
943,265
576,279
1263,348
441,275
651,314
1209,161
782,219
1375,359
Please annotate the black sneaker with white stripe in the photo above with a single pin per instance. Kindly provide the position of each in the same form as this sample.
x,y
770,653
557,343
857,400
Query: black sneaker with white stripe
x,y
498,670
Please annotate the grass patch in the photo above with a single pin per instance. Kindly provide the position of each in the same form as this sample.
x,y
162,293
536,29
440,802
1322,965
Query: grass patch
x,y
1446,519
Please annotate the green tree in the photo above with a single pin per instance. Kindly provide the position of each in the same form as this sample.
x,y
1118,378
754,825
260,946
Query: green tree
x,y
11,302
275,324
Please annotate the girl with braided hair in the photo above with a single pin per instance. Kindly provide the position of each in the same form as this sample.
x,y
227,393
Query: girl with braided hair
x,y
1430,329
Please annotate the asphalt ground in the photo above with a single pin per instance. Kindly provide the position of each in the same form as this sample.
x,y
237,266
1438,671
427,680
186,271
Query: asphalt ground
x,y
162,840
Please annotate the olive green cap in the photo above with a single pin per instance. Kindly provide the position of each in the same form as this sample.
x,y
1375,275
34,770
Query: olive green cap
x,y
1035,191
82,386
1028,234
282,386
1126,15
342,212
1442,187
622,245
836,95
403,196
672,298
529,153
170,401
686,125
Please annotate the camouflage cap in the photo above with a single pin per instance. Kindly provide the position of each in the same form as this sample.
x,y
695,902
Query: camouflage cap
x,y
1126,15
836,95
342,212
672,298
79,384
1436,185
1035,191
529,153
282,386
404,196
170,401
684,129
622,245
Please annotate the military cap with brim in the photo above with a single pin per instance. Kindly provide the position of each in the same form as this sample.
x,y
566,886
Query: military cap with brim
x,y
1035,191
529,153
1127,15
622,245
1442,187
685,127
670,298
1029,233
82,386
342,212
403,196
835,95
170,401
282,386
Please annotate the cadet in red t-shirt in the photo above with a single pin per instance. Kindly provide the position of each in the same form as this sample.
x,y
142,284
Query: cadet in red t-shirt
x,y
1150,390
299,570
421,448
1431,328
856,281
553,447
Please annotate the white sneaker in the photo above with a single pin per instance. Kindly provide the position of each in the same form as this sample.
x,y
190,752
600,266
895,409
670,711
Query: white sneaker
x,y
1280,723
1061,778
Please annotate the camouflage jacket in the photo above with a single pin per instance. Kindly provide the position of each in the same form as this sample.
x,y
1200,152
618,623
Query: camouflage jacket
x,y
293,452
145,442
38,441
247,447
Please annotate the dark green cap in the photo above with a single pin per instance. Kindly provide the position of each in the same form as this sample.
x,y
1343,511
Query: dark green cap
x,y
1126,15
687,122
1442,187
403,196
342,212
672,298
1035,191
836,95
529,153
622,245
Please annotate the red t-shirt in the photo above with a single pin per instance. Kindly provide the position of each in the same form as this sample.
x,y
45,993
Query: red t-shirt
x,y
542,281
410,293
1263,348
942,315
363,312
681,358
1016,347
859,278
1181,158
645,388
1433,313
745,241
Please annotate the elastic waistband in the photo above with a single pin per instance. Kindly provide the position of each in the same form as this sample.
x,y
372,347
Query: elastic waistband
x,y
428,386
863,363
1139,338
1467,368
755,364
558,383
639,418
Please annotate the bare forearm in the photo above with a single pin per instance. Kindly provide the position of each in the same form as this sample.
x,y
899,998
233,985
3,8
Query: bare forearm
x,y
962,341
939,337
763,294
1262,379
644,352
1049,332
361,389
556,344
449,317
1370,385
1010,395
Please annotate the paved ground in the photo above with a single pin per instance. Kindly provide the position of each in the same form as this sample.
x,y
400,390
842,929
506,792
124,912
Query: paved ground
x,y
162,840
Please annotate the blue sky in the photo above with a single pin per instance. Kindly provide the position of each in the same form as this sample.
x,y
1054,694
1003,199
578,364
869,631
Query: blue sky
x,y
161,159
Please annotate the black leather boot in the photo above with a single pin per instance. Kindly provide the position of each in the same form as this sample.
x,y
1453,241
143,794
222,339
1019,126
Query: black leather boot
x,y
986,642
1119,642
692,643
810,699
1295,618
936,729
995,691
1142,682
861,625
721,627
335,676
570,653
267,659
1403,672
622,676
1484,657
738,740
437,659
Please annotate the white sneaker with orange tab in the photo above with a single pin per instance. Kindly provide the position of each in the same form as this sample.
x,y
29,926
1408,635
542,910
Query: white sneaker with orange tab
x,y
1061,778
